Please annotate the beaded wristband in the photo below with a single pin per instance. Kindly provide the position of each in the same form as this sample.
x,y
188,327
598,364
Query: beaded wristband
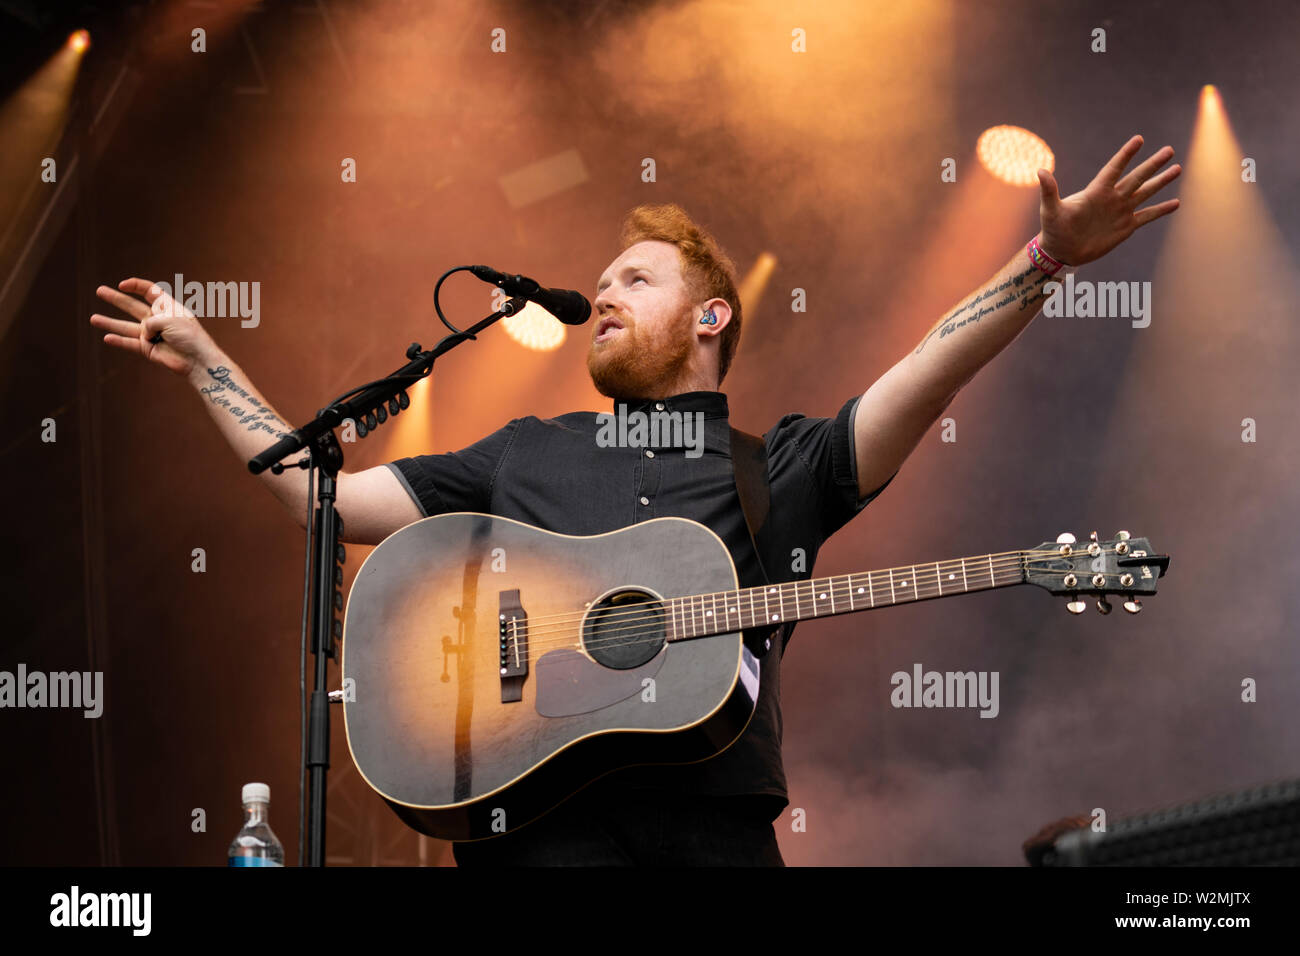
x,y
1041,259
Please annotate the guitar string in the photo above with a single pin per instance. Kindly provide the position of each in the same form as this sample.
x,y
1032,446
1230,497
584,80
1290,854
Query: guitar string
x,y
564,635
975,563
636,617
564,622
1004,560
841,591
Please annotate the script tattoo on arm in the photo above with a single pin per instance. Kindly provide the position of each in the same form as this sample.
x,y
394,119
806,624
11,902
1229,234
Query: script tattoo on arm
x,y
224,392
1024,287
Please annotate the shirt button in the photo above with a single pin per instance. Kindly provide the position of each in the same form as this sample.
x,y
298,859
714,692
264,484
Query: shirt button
x,y
649,453
659,406
645,501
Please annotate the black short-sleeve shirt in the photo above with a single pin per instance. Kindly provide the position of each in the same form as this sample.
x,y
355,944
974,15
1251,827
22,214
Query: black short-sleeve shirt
x,y
563,475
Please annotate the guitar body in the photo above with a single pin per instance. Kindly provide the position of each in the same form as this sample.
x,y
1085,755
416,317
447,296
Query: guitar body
x,y
489,672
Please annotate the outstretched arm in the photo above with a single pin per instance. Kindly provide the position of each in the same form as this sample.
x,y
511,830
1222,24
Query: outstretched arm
x,y
161,330
895,413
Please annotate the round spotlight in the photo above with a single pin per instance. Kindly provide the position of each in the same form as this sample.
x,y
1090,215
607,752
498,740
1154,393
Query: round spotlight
x,y
1014,155
79,41
535,328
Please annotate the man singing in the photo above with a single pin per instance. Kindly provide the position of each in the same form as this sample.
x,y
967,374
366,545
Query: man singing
x,y
668,321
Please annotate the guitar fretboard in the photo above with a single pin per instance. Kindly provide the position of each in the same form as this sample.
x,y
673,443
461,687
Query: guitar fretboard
x,y
702,615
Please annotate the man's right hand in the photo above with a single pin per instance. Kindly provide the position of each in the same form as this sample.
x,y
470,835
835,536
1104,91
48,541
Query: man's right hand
x,y
185,343
375,501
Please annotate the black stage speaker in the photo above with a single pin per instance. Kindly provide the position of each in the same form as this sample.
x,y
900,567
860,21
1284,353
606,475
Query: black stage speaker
x,y
1256,827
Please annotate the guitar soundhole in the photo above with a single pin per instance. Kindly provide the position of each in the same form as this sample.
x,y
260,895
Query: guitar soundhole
x,y
624,629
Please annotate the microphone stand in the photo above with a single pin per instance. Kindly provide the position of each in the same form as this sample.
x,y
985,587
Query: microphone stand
x,y
366,407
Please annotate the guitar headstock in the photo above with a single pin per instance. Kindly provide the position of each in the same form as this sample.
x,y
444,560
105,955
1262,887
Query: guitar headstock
x,y
1124,565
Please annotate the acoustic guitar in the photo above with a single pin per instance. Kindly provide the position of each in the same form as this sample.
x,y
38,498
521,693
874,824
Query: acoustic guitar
x,y
491,669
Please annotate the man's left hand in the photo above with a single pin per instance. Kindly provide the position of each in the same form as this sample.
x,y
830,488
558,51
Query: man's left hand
x,y
1087,225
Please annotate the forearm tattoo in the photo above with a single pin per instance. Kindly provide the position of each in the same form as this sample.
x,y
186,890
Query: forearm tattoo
x,y
224,392
1026,286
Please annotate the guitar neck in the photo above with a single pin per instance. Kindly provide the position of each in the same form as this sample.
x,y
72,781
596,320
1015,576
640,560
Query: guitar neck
x,y
722,612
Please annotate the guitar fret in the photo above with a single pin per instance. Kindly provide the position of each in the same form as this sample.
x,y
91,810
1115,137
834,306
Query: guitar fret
x,y
723,612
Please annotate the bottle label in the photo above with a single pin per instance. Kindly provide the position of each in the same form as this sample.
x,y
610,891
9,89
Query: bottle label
x,y
252,861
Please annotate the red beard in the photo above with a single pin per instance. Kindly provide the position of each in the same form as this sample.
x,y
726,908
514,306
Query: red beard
x,y
638,364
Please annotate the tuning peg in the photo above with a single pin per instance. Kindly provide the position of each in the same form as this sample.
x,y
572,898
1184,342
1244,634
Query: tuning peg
x,y
1122,535
1065,538
1132,605
1076,606
1103,605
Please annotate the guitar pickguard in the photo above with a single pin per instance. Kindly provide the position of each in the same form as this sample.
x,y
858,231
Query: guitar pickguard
x,y
570,683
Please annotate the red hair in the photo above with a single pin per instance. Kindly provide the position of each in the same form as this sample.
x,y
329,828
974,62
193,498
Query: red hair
x,y
708,272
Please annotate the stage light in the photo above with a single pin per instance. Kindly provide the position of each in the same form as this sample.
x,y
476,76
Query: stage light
x,y
535,328
754,284
1210,101
1014,155
79,41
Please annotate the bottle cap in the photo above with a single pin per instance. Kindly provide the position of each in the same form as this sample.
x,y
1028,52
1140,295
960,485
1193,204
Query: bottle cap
x,y
256,793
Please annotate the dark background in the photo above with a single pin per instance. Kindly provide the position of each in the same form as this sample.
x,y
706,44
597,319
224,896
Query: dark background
x,y
225,166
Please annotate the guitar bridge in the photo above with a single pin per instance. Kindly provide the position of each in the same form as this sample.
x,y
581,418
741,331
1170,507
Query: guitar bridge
x,y
513,626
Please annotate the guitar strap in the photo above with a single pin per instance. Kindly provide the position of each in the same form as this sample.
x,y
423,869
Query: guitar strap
x,y
749,462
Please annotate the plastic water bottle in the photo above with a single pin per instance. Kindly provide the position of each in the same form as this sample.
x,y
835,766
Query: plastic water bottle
x,y
256,845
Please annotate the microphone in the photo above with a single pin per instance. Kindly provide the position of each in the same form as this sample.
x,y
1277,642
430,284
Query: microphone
x,y
571,308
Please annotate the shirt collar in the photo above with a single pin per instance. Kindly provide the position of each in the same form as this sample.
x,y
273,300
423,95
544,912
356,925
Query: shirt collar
x,y
712,404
